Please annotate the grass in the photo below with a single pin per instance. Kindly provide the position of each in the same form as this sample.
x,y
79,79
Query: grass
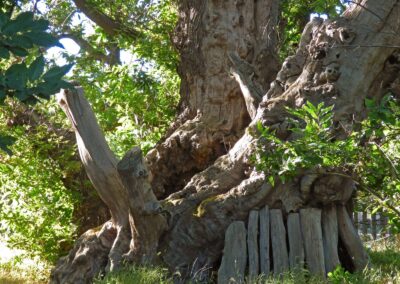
x,y
17,272
138,275
384,255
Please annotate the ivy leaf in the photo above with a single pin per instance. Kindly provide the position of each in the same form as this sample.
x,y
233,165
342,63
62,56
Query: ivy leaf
x,y
35,70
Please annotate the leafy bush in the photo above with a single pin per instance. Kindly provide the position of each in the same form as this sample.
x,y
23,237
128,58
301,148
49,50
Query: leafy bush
x,y
370,156
36,209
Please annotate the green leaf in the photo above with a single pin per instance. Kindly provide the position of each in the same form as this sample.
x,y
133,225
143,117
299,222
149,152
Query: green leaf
x,y
22,95
5,142
36,68
16,76
43,39
66,85
19,51
3,19
40,25
4,53
23,21
57,72
2,96
21,41
271,180
46,89
370,103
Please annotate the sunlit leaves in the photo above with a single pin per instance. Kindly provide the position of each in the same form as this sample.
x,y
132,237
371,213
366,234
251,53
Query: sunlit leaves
x,y
20,37
371,154
23,33
296,14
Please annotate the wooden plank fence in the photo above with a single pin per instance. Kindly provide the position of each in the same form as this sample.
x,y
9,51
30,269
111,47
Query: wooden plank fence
x,y
371,226
272,243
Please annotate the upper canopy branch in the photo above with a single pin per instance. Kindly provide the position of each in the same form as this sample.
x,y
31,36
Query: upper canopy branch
x,y
111,26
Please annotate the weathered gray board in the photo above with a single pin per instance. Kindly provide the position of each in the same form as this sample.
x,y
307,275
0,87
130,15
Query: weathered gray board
x,y
252,244
296,245
264,241
278,240
234,260
312,235
331,237
351,240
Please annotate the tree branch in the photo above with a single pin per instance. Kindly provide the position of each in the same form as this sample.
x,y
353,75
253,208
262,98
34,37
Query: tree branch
x,y
112,59
243,73
109,25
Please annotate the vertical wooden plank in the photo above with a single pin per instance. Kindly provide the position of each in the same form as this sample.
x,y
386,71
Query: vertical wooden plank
x,y
379,232
351,240
330,235
364,223
312,235
296,245
373,226
264,241
252,244
385,226
355,218
278,240
234,259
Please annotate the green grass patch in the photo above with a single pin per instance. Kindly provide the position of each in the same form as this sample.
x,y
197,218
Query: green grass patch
x,y
384,268
138,275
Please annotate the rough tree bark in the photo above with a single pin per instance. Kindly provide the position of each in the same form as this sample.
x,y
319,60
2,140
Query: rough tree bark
x,y
202,170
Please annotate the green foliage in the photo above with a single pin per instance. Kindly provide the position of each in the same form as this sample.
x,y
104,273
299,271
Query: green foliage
x,y
133,105
371,156
296,14
36,209
21,39
313,147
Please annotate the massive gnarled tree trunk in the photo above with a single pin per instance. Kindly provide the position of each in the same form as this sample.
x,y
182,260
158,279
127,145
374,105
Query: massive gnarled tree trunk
x,y
201,172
